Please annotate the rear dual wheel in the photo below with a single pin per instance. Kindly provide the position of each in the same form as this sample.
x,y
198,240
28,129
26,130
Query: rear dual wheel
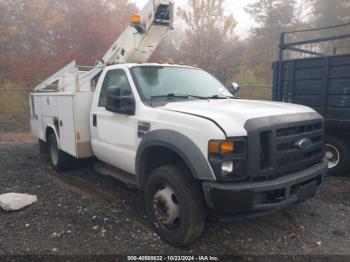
x,y
60,161
174,205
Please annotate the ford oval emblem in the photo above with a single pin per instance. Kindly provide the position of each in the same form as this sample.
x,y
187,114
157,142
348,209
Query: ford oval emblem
x,y
304,144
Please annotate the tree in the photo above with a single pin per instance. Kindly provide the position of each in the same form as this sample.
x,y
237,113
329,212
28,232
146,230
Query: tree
x,y
329,13
209,37
40,36
271,18
169,49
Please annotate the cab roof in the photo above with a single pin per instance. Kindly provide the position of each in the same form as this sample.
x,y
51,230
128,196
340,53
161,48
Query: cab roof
x,y
131,65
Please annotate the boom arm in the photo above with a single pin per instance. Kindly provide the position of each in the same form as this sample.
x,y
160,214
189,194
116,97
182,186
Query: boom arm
x,y
136,44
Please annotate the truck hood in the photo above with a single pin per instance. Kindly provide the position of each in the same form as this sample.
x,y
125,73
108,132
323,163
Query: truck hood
x,y
232,114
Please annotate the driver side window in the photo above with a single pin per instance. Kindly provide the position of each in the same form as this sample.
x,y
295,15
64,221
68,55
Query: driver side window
x,y
114,79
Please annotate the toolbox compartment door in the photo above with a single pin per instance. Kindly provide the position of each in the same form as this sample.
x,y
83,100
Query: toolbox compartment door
x,y
67,134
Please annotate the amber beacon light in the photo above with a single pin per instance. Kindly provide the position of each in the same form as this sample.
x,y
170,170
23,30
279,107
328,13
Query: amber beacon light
x,y
135,19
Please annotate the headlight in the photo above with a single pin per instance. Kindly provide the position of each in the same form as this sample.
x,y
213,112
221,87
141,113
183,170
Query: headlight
x,y
228,158
227,168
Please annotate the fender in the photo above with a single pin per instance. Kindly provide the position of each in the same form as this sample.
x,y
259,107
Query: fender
x,y
55,132
179,144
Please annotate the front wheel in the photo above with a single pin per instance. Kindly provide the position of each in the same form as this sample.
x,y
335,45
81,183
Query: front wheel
x,y
338,155
174,206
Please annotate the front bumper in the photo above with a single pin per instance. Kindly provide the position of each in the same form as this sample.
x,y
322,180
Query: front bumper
x,y
267,196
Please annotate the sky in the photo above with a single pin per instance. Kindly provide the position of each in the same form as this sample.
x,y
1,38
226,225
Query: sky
x,y
235,7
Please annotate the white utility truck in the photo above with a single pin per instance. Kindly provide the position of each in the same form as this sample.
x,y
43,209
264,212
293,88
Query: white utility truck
x,y
175,133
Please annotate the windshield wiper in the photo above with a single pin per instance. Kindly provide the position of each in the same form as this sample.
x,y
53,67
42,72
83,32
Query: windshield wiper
x,y
178,95
220,97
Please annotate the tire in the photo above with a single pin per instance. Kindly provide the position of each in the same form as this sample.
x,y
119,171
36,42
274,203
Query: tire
x,y
338,155
44,150
60,161
186,204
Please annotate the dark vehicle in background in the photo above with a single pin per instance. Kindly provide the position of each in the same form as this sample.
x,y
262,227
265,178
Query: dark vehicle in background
x,y
322,82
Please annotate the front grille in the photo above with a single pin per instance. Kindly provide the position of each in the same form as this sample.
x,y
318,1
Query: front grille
x,y
272,144
287,152
295,130
280,154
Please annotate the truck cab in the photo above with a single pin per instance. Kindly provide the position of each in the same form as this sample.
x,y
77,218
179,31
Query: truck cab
x,y
176,134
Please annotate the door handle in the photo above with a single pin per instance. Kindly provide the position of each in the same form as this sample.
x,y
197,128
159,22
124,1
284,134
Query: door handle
x,y
94,120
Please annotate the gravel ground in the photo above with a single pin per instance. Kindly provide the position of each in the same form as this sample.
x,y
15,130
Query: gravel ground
x,y
82,213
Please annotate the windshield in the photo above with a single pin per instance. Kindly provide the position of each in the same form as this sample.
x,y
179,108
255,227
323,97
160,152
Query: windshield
x,y
162,82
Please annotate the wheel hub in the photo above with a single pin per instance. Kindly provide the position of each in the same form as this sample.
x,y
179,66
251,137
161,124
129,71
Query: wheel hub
x,y
166,208
333,156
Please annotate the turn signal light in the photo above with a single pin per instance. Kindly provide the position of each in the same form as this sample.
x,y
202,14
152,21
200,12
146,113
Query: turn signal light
x,y
216,147
227,147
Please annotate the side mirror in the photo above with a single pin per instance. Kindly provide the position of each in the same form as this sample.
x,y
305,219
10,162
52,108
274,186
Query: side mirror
x,y
235,88
117,103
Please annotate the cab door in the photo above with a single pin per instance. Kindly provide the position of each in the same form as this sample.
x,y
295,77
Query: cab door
x,y
114,135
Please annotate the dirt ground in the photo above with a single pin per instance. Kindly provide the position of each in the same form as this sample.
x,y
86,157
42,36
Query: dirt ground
x,y
82,213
